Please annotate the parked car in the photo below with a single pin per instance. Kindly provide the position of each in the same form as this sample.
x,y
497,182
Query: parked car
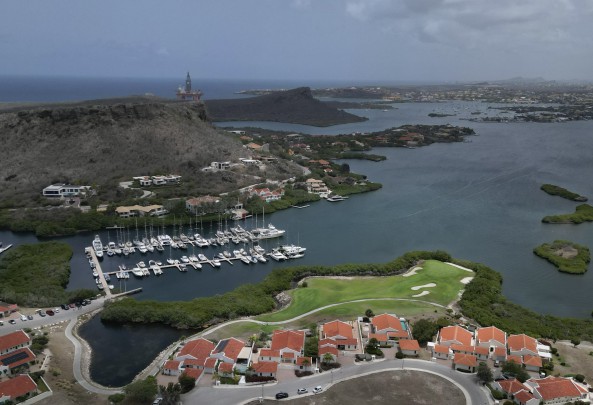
x,y
72,305
23,318
282,395
42,314
157,401
1,323
317,389
57,309
302,391
496,363
30,317
65,307
50,312
12,321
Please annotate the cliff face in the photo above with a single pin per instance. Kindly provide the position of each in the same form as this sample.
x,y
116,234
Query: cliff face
x,y
297,106
103,142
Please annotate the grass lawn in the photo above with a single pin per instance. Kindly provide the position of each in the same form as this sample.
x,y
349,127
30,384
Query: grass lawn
x,y
325,291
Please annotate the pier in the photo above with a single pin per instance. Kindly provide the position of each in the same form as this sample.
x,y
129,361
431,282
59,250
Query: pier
x,y
100,272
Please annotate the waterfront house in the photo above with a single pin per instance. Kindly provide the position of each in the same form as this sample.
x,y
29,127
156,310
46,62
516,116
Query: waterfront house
x,y
289,343
140,211
265,369
195,354
203,205
316,186
467,362
13,360
341,332
267,195
193,373
21,386
172,367
228,350
556,390
454,335
14,341
409,347
522,344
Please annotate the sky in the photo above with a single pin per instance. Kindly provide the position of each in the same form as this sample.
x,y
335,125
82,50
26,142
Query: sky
x,y
346,40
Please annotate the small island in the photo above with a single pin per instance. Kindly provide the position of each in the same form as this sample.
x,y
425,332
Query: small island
x,y
562,192
583,213
567,256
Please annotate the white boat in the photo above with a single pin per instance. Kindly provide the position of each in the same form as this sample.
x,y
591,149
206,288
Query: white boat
x,y
184,259
202,257
107,277
137,271
245,260
100,286
290,249
111,286
150,248
276,255
110,252
193,258
267,233
141,264
182,267
335,198
295,255
260,258
196,265
170,261
165,240
98,246
215,263
95,273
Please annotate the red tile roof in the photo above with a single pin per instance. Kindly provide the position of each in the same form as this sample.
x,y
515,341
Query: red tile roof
x,y
210,363
337,328
522,341
17,386
385,321
514,359
29,357
300,360
265,367
402,334
462,348
269,353
230,347
13,339
288,339
381,337
328,349
441,349
409,344
172,365
534,361
491,333
455,333
199,349
288,355
193,372
523,396
500,351
511,386
225,367
556,387
330,342
465,360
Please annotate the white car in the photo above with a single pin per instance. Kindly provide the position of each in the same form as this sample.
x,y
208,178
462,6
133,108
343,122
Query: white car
x,y
23,318
56,310
302,391
317,389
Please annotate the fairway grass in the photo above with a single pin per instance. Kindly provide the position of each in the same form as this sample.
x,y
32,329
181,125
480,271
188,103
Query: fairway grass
x,y
324,291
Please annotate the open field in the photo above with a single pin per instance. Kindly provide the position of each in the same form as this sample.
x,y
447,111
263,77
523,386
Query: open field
x,y
326,291
394,387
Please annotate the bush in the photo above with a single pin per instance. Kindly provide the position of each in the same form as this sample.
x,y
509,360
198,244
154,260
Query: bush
x,y
580,378
116,398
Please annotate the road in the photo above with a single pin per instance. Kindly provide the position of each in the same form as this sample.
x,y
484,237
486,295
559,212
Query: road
x,y
473,391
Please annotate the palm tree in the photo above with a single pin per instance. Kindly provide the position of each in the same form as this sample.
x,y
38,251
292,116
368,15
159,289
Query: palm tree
x,y
328,358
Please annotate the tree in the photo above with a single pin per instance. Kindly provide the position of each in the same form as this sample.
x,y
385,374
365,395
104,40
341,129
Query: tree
x,y
328,358
423,330
516,370
186,382
345,168
369,313
484,373
141,391
575,342
172,393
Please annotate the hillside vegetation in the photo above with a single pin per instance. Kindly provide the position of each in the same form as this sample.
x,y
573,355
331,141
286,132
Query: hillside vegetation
x,y
102,142
296,106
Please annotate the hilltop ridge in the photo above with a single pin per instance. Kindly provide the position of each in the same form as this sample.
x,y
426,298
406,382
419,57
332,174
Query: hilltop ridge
x,y
101,142
296,106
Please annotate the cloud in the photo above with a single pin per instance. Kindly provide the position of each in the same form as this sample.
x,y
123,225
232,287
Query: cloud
x,y
469,23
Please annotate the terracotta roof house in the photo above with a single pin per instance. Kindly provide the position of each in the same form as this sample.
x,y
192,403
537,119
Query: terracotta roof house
x,y
195,352
526,398
304,363
269,355
441,352
225,369
491,337
386,323
522,344
532,363
341,332
228,350
467,362
409,347
511,387
556,390
480,352
514,358
14,341
19,386
172,367
454,335
499,353
328,349
265,369
193,372
288,342
12,360
7,309
209,365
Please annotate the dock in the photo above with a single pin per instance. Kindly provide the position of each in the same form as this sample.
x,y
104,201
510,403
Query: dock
x,y
100,271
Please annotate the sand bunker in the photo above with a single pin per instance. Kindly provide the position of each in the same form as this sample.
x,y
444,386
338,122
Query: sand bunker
x,y
460,267
421,294
412,271
466,280
423,286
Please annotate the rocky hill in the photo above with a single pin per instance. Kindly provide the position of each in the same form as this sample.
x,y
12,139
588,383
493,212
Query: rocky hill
x,y
297,106
104,141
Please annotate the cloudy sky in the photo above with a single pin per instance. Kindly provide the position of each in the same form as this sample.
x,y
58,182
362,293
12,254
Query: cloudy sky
x,y
365,40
